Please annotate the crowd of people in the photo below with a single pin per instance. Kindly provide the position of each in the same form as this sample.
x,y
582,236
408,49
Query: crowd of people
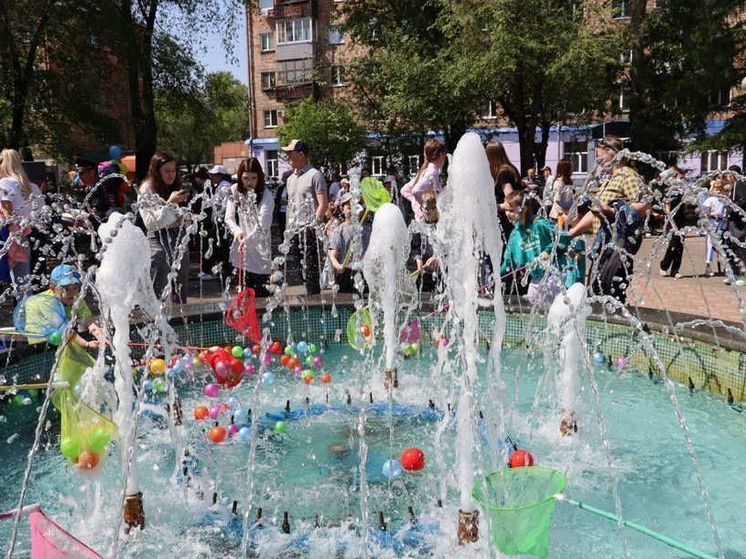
x,y
555,233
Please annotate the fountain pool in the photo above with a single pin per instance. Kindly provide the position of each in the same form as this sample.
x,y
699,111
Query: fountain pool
x,y
311,470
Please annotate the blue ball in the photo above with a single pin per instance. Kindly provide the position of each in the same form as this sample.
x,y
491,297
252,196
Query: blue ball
x,y
301,347
115,152
392,469
268,378
244,434
599,358
233,402
147,386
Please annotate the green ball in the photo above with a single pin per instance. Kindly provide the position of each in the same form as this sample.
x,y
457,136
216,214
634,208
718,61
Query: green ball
x,y
55,338
307,372
289,351
70,447
309,361
158,386
415,347
98,439
281,427
237,351
17,401
313,348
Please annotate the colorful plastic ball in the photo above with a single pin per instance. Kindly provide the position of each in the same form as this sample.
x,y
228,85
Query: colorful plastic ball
x,y
211,390
17,401
297,371
289,351
521,458
599,358
392,469
55,338
250,369
621,363
157,366
158,386
88,460
284,360
244,434
217,434
237,366
444,342
309,361
237,351
70,447
365,330
147,386
281,427
232,402
215,412
413,459
115,152
222,368
301,347
308,379
232,429
98,439
201,412
256,349
276,348
326,378
268,378
313,348
267,359
318,361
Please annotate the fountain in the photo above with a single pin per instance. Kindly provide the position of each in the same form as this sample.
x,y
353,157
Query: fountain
x,y
295,446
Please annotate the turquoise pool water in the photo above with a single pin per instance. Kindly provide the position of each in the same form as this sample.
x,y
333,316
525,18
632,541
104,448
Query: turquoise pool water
x,y
311,470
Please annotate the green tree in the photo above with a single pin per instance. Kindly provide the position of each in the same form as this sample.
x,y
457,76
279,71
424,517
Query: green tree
x,y
682,54
335,136
192,123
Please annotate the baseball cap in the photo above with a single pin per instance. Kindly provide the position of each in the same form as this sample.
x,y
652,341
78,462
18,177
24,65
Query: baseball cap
x,y
217,170
296,145
64,274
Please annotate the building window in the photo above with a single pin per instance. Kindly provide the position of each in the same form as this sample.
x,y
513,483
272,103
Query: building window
x,y
619,8
266,4
414,164
294,31
268,80
714,161
295,71
270,118
624,100
577,153
267,41
336,37
337,75
376,165
490,111
626,57
273,165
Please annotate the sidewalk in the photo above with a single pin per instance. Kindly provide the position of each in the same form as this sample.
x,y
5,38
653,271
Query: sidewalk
x,y
693,293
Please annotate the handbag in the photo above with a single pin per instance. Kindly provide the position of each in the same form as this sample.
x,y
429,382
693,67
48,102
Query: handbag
x,y
241,313
17,252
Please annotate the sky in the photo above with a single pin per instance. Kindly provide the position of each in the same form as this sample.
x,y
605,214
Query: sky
x,y
214,60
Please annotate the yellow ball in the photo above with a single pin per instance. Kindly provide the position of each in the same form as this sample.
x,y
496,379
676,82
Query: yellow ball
x,y
157,366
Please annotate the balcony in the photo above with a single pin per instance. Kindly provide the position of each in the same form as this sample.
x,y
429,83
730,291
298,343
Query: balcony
x,y
285,9
295,92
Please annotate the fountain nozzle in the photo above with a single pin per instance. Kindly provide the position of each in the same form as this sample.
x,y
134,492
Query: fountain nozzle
x,y
134,515
390,379
468,526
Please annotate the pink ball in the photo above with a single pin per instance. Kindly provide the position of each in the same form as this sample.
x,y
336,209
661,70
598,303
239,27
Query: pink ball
x,y
267,359
444,342
222,368
297,371
232,429
318,361
211,390
215,412
250,369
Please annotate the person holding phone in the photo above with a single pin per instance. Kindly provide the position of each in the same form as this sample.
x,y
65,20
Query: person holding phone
x,y
161,194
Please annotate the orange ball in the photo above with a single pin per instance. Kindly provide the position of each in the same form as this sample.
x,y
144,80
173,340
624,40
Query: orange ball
x,y
308,379
326,378
256,349
88,460
217,434
284,360
365,329
201,412
293,363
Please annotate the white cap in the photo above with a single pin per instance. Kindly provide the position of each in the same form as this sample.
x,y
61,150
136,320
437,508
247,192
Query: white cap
x,y
217,170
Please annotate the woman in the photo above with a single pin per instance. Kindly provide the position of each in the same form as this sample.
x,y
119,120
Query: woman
x,y
427,178
254,203
18,198
715,210
160,196
500,163
561,192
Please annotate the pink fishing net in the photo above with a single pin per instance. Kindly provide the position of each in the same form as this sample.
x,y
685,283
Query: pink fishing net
x,y
49,540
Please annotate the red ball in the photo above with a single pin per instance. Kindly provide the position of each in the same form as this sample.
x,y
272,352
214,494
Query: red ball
x,y
201,412
218,434
413,459
236,365
276,348
326,378
284,360
521,458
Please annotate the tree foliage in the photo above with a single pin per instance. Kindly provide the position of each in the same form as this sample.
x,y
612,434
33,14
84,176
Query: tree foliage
x,y
191,124
683,54
335,136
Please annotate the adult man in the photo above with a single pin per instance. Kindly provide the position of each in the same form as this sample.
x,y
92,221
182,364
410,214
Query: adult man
x,y
308,200
736,235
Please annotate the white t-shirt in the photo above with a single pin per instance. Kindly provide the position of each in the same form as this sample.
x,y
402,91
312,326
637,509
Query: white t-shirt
x,y
714,207
10,191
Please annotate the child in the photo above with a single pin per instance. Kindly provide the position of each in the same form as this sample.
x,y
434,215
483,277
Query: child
x,y
423,254
342,244
715,210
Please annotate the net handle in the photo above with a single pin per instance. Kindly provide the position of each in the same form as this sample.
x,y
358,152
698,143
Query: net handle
x,y
635,526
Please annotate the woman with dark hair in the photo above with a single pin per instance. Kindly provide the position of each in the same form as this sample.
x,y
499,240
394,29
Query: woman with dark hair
x,y
500,163
427,178
160,196
562,194
252,202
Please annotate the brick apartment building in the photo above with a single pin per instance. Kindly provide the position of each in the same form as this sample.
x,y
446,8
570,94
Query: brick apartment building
x,y
296,50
